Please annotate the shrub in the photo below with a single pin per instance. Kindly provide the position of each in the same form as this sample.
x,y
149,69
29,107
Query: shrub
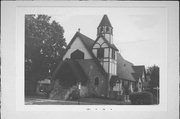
x,y
58,92
155,93
84,91
74,95
113,94
120,97
141,98
64,93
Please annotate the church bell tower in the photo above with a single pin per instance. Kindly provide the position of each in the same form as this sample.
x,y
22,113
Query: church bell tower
x,y
104,49
105,29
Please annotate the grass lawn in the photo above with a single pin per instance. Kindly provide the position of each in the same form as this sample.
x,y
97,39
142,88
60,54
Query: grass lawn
x,y
82,101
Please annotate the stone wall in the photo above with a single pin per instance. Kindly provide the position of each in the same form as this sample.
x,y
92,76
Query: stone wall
x,y
99,90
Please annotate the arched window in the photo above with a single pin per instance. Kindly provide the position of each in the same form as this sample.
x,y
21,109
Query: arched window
x,y
96,82
77,55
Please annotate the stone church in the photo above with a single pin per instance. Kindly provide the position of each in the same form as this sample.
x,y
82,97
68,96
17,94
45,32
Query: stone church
x,y
97,65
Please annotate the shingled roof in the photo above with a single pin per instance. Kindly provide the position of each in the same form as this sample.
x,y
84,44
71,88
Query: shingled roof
x,y
88,42
138,71
82,68
109,44
75,68
124,69
127,71
105,21
90,67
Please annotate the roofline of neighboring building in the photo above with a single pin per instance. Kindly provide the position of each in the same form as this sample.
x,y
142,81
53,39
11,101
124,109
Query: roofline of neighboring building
x,y
123,78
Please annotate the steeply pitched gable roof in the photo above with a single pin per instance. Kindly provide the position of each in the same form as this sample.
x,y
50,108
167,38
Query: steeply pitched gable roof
x,y
88,43
109,44
124,69
136,76
105,21
77,69
74,67
90,67
138,71
82,68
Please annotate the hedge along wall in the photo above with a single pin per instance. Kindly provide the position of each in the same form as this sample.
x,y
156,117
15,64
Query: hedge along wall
x,y
62,93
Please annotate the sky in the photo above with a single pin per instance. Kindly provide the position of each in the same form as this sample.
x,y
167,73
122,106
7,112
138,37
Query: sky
x,y
137,32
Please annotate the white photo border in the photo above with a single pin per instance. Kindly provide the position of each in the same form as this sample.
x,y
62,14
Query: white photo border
x,y
166,70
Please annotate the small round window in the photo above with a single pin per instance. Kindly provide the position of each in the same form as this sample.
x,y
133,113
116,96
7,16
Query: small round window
x,y
96,83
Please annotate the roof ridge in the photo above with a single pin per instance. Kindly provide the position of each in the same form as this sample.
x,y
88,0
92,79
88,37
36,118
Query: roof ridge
x,y
85,35
139,65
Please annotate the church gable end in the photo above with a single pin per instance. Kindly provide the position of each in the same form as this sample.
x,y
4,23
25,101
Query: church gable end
x,y
77,44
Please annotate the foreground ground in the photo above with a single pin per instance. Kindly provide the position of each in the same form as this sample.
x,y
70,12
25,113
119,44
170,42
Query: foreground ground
x,y
82,101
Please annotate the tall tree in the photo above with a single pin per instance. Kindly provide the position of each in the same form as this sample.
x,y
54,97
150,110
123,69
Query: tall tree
x,y
44,44
153,71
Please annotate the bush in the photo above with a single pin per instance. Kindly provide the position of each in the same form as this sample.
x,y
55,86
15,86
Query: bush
x,y
113,94
84,91
155,93
120,97
74,95
141,98
58,92
64,93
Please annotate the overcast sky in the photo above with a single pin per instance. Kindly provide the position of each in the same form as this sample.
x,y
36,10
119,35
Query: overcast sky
x,y
137,32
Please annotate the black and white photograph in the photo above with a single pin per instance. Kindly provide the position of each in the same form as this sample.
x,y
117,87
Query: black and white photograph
x,y
77,59
110,57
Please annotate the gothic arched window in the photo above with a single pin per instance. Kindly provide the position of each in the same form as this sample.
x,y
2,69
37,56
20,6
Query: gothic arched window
x,y
77,55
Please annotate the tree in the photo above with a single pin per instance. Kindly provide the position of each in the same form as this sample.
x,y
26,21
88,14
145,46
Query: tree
x,y
44,45
153,71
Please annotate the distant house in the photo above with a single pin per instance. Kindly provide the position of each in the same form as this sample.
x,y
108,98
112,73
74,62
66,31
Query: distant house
x,y
98,65
43,86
